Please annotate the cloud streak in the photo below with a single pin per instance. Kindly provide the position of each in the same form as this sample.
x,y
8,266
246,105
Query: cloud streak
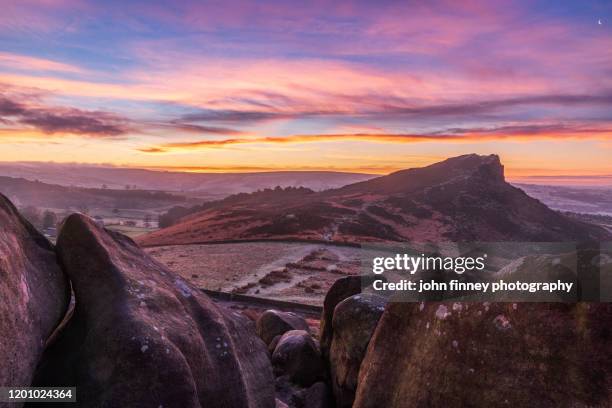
x,y
24,62
376,107
25,109
182,126
521,132
59,120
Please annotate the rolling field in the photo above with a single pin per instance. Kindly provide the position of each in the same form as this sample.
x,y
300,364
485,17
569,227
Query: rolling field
x,y
280,270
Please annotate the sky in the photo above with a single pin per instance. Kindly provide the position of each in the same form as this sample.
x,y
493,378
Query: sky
x,y
371,86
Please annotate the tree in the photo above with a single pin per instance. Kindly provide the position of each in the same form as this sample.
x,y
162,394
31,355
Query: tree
x,y
49,219
147,221
172,216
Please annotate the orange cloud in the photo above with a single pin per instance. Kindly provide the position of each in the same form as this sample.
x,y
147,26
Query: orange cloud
x,y
203,144
453,135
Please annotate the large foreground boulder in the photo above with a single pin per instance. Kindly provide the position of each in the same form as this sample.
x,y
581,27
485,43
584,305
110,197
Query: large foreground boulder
x,y
143,337
34,296
484,355
355,319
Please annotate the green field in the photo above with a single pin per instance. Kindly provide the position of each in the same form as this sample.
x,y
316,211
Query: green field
x,y
131,232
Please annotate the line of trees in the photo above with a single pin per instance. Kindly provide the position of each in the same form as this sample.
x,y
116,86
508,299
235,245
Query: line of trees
x,y
40,219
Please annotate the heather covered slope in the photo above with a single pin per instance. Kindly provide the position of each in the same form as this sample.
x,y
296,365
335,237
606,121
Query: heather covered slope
x,y
464,198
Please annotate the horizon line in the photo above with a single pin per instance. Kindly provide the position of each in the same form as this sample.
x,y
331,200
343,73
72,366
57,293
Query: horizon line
x,y
375,171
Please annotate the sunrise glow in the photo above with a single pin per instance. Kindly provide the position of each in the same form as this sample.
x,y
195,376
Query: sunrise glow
x,y
276,85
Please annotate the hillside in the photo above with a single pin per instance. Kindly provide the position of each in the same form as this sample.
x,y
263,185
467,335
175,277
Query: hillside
x,y
35,193
465,198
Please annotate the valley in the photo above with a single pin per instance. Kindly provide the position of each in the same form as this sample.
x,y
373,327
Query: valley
x,y
292,243
132,201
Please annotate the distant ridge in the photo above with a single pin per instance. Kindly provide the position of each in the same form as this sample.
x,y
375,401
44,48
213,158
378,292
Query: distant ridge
x,y
464,198
211,184
35,193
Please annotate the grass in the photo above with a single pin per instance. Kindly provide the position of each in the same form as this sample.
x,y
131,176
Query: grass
x,y
131,232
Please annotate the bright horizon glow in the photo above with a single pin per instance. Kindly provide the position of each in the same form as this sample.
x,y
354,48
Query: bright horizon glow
x,y
338,86
520,177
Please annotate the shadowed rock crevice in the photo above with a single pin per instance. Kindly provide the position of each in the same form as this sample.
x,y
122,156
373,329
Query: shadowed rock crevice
x,y
354,321
273,323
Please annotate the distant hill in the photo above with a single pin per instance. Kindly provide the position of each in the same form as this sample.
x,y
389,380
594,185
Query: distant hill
x,y
578,199
215,185
465,198
24,192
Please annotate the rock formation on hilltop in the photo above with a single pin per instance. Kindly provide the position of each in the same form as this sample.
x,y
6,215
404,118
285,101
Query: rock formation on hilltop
x,y
34,296
464,198
141,336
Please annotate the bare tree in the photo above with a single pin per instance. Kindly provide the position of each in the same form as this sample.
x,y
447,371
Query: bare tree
x,y
147,221
49,219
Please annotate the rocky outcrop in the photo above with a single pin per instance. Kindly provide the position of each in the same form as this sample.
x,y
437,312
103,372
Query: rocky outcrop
x,y
353,314
355,319
141,336
297,356
273,323
482,355
461,199
34,296
341,289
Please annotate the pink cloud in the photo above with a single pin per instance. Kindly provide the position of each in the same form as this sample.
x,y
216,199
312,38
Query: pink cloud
x,y
27,63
